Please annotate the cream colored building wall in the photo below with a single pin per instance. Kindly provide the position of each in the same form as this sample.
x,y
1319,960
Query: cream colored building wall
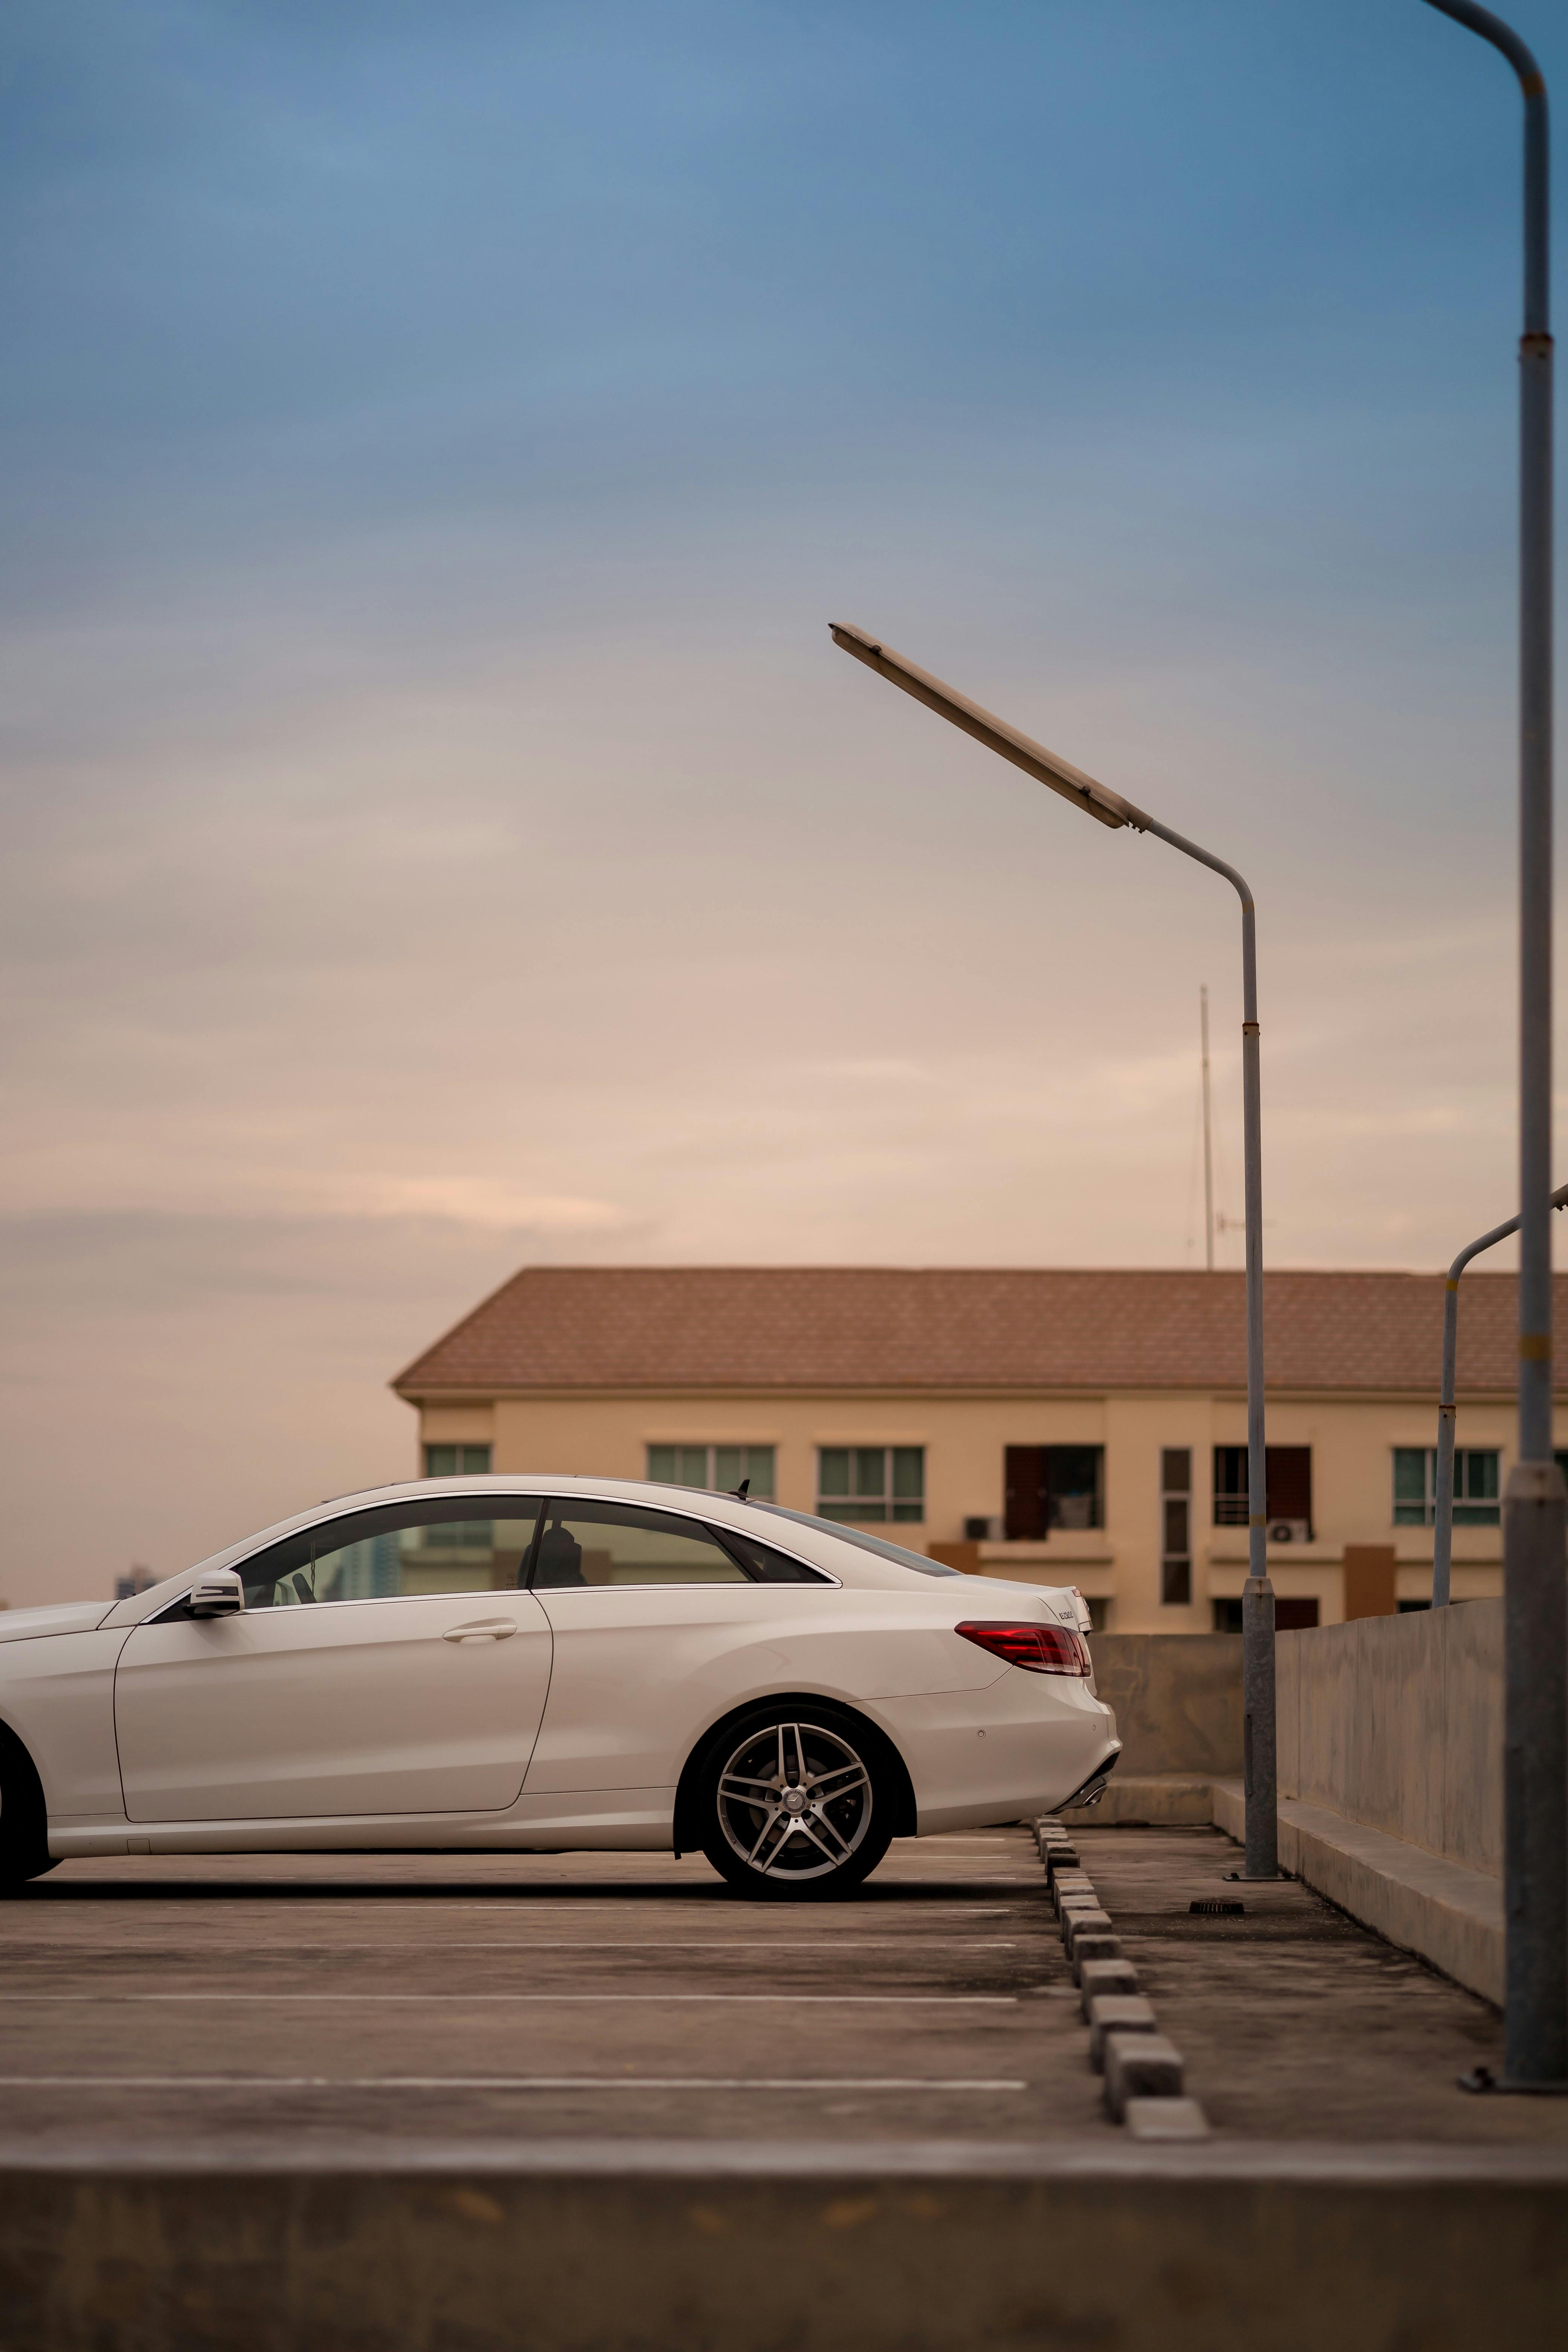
x,y
964,1438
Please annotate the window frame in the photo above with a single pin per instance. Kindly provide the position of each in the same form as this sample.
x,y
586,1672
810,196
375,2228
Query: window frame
x,y
1175,1559
413,1511
1232,1505
1042,1456
884,1511
710,1449
460,1469
1469,1510
811,1575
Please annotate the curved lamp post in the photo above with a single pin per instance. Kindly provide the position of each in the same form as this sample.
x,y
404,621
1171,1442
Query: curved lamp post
x,y
1109,808
1442,1510
1535,1589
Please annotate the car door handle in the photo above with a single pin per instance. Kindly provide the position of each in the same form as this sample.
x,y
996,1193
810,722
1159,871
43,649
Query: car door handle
x,y
495,1629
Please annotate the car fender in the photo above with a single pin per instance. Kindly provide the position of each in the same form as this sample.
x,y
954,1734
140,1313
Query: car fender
x,y
687,1827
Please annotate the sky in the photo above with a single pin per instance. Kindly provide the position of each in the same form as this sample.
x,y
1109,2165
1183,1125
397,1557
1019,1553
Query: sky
x,y
441,835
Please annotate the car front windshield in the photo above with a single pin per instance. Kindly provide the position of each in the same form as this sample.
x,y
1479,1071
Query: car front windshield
x,y
865,1542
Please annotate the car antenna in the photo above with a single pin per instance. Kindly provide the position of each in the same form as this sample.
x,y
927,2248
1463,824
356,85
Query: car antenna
x,y
740,1492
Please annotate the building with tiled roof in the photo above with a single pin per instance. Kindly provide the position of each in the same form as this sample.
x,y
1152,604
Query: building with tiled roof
x,y
1053,1425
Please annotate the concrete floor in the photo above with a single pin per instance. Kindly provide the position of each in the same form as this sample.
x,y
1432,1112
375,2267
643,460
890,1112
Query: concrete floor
x,y
1298,2025
300,1999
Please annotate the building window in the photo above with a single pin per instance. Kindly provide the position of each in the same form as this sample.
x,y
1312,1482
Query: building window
x,y
872,1482
1476,1487
1175,1527
719,1468
1051,1486
1287,1508
456,1462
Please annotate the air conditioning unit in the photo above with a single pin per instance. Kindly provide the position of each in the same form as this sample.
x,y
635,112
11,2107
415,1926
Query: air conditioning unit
x,y
1283,1531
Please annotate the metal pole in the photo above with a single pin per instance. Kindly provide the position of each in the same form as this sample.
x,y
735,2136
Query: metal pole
x,y
1259,1774
1207,1139
1535,1564
1443,1527
1443,1516
1110,808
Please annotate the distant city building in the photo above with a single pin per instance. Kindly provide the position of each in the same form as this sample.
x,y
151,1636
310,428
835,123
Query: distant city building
x,y
1043,1427
140,1578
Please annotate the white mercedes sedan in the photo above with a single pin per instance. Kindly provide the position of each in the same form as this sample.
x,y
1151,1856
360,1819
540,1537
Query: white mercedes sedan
x,y
531,1664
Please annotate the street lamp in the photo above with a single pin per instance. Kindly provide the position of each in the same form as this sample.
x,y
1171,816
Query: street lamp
x,y
1109,808
1535,1510
1443,1514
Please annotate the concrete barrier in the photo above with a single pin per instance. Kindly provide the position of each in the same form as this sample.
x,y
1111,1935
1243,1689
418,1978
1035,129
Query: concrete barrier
x,y
1389,1748
1396,1722
694,2248
1177,1699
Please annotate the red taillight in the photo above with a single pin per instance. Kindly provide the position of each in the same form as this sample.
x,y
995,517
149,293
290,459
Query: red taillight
x,y
1040,1649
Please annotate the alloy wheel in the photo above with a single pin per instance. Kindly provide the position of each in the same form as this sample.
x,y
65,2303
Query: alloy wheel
x,y
794,1802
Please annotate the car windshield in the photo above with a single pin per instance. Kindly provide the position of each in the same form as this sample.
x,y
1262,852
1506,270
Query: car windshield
x,y
865,1543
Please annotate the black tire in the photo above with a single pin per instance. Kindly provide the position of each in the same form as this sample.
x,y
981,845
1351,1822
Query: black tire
x,y
795,1803
23,1825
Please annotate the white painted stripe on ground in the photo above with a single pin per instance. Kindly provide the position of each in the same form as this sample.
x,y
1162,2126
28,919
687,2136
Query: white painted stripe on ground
x,y
528,1898
250,2000
605,1944
502,2083
127,1954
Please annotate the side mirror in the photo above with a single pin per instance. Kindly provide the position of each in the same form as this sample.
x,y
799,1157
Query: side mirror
x,y
219,1593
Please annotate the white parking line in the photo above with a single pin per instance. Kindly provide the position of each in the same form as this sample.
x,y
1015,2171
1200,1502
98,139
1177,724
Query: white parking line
x,y
501,2083
434,1906
628,1944
249,2000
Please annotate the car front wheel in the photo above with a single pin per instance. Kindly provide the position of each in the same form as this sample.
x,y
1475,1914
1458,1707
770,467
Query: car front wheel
x,y
24,1830
795,1805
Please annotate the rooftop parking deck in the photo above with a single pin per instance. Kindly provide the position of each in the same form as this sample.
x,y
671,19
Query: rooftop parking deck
x,y
356,2100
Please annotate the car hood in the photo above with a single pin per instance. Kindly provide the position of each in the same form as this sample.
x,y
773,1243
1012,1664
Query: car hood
x,y
64,1617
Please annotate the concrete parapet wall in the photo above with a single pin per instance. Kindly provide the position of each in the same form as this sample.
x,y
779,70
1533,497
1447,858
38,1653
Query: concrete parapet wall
x,y
678,2249
1177,1699
1397,1723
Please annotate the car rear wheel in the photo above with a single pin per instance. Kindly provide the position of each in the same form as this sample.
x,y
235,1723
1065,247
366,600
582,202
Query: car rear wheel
x,y
795,1805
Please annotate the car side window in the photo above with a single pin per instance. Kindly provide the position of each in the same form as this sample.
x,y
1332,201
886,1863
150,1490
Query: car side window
x,y
768,1566
441,1543
587,1543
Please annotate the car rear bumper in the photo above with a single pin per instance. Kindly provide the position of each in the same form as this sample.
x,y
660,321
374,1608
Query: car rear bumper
x,y
1026,1745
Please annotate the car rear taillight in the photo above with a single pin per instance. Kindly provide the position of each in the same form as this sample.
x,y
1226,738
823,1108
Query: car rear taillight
x,y
1040,1649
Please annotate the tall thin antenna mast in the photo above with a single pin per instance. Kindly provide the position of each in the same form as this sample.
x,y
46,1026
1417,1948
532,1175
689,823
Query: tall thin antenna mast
x,y
1207,1139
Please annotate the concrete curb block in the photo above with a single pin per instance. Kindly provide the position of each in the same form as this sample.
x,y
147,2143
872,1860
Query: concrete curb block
x,y
1097,1977
1112,2013
1166,2119
1098,1947
1113,2008
1140,2066
1083,1923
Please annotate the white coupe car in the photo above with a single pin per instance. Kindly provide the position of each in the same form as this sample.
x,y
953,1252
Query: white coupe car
x,y
535,1664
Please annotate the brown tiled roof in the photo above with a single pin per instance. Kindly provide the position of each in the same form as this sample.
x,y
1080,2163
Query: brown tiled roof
x,y
806,1328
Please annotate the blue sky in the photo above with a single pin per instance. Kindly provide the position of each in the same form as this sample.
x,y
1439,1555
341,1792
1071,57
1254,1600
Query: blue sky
x,y
434,442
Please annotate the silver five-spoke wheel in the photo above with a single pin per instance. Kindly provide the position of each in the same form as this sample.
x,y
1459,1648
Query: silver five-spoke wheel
x,y
794,1802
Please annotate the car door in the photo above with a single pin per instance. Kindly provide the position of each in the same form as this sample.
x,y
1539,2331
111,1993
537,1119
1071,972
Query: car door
x,y
385,1662
653,1620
